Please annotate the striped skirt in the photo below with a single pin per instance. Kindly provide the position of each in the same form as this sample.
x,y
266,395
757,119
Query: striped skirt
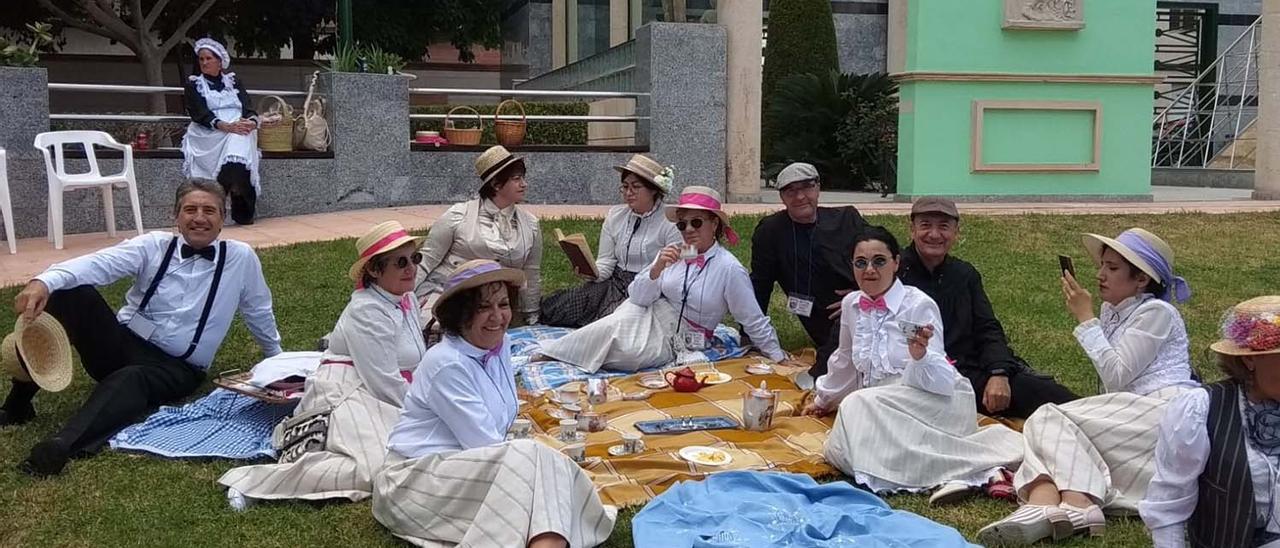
x,y
898,437
632,338
355,448
581,305
501,495
1103,446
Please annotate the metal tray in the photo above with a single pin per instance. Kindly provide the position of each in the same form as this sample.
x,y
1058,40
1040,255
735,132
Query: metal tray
x,y
686,424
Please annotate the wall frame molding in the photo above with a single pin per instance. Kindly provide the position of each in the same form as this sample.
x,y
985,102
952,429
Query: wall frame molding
x,y
979,108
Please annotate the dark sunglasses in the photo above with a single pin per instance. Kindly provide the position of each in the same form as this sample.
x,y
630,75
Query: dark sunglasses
x,y
876,263
402,261
695,223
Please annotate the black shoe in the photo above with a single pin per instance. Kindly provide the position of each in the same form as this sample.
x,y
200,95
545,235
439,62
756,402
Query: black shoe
x,y
15,417
47,458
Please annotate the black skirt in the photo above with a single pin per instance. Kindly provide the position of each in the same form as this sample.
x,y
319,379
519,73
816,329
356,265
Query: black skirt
x,y
579,306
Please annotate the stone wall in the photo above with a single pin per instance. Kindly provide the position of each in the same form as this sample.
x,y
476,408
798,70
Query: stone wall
x,y
861,35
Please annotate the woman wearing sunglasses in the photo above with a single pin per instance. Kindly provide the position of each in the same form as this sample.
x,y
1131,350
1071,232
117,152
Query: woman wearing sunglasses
x,y
676,302
337,437
906,419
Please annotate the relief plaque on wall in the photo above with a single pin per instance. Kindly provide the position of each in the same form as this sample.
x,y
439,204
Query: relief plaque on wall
x,y
1044,14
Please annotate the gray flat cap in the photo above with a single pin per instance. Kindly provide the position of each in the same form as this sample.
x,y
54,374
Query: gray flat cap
x,y
796,173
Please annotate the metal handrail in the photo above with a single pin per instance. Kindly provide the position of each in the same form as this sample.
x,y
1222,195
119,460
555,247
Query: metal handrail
x,y
528,93
538,118
117,88
1208,70
120,117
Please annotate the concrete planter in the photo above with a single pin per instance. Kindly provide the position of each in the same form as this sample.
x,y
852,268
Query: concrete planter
x,y
24,108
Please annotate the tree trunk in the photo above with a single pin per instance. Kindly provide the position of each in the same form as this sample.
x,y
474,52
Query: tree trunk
x,y
304,45
153,70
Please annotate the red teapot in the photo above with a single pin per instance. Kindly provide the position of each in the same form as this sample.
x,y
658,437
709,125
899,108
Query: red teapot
x,y
685,380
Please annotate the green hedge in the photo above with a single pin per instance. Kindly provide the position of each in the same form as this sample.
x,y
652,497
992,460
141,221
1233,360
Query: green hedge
x,y
802,40
536,133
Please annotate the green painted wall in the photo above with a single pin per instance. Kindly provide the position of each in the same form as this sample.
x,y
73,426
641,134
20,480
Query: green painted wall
x,y
952,36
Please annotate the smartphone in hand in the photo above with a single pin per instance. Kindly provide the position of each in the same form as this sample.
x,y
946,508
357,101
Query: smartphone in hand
x,y
1065,265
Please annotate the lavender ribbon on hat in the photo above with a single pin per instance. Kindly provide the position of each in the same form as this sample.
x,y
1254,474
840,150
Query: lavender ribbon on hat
x,y
464,275
1176,288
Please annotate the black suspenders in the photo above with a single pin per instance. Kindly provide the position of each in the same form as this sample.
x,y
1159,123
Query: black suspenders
x,y
208,302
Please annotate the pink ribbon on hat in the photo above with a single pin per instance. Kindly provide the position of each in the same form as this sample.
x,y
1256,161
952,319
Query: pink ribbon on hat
x,y
707,202
377,248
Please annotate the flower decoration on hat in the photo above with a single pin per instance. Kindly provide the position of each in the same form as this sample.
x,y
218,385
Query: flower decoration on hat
x,y
666,178
1260,333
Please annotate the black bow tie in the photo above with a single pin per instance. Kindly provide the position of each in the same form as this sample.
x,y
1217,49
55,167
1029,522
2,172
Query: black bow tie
x,y
188,251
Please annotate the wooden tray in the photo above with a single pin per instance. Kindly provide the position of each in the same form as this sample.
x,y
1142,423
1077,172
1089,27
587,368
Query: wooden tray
x,y
238,381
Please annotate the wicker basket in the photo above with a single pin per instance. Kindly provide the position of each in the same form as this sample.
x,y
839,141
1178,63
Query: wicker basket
x,y
276,137
463,136
510,133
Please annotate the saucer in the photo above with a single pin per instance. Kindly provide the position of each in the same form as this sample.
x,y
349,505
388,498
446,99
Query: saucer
x,y
714,377
706,456
760,369
653,382
561,414
619,450
578,436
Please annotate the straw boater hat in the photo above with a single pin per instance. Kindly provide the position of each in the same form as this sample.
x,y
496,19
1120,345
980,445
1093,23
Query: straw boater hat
x,y
493,161
1251,328
381,238
476,273
45,350
646,168
1094,244
704,199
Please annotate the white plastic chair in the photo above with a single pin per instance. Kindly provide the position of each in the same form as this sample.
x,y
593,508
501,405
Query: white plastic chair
x,y
6,206
60,181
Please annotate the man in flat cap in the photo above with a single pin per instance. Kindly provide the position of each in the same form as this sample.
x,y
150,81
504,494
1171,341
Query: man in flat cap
x,y
806,250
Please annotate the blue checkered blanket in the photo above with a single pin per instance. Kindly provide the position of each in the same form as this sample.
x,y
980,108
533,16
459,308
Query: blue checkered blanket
x,y
223,424
548,375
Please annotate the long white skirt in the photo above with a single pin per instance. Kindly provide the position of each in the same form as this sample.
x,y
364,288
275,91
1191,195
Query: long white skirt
x,y
205,151
632,338
898,437
354,450
1103,446
501,495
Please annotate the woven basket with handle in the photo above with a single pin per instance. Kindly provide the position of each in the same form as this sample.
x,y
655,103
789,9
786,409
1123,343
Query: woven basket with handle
x,y
510,133
276,137
463,136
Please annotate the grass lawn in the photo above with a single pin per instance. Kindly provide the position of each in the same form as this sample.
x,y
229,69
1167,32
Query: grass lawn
x,y
118,499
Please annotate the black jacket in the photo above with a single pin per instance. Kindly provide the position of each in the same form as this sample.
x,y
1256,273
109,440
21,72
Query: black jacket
x,y
198,108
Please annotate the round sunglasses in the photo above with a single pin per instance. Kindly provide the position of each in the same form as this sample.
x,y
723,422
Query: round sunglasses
x,y
695,223
402,261
876,263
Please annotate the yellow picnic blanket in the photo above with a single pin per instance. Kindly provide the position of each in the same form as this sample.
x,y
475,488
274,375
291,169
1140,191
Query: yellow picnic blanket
x,y
794,444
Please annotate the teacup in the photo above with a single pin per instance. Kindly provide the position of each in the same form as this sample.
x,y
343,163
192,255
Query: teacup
x,y
632,442
520,428
569,430
590,421
567,394
577,452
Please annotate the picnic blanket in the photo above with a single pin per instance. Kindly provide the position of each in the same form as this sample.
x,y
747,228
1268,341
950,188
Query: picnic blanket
x,y
549,375
751,509
223,424
794,444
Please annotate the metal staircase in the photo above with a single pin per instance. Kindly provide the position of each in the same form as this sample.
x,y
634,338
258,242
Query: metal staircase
x,y
1209,123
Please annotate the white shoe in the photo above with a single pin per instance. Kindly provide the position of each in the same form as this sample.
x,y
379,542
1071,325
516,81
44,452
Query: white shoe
x,y
951,492
1089,520
237,500
1026,526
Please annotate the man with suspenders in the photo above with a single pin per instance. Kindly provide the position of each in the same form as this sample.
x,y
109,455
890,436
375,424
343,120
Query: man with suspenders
x,y
186,289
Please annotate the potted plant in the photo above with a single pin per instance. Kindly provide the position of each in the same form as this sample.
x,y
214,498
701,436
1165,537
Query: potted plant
x,y
28,114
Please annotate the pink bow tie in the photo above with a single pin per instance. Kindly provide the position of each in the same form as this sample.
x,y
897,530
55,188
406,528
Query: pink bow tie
x,y
492,353
700,260
406,302
868,305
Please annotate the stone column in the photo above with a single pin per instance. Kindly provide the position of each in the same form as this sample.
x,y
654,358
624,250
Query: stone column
x,y
368,116
1266,178
24,108
742,20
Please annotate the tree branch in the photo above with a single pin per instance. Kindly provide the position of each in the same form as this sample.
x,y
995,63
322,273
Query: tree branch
x,y
136,12
155,13
76,22
181,31
109,20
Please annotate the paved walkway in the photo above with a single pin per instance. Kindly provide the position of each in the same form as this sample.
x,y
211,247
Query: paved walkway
x,y
36,254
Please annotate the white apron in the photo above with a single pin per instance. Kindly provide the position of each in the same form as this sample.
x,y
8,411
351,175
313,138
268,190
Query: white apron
x,y
205,151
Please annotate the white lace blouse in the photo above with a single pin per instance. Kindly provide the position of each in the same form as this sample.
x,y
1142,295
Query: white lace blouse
x,y
1140,346
873,348
630,242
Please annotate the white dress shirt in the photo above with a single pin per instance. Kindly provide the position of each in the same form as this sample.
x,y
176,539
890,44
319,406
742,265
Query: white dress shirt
x,y
381,339
179,300
1140,346
873,348
458,400
1182,450
720,285
629,247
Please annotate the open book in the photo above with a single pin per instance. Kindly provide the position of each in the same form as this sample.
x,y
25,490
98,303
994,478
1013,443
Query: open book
x,y
575,247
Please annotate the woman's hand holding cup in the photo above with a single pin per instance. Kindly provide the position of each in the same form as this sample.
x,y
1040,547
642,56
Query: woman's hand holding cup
x,y
667,257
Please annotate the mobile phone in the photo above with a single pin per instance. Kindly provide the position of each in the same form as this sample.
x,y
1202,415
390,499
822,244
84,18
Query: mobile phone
x,y
1065,265
910,329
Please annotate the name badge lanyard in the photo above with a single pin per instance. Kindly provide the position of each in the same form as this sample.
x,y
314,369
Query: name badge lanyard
x,y
626,255
208,302
684,293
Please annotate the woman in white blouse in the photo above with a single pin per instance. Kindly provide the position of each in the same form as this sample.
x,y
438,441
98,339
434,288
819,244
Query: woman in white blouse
x,y
906,418
451,479
1218,451
630,239
336,438
488,227
675,304
1095,453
